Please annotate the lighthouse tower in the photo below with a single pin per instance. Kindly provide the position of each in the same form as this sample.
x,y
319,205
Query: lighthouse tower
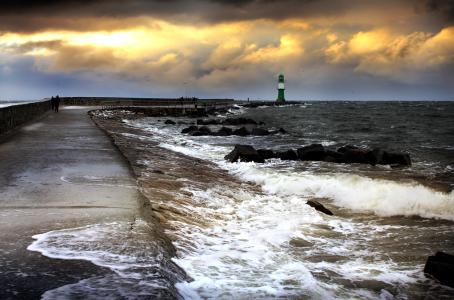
x,y
280,89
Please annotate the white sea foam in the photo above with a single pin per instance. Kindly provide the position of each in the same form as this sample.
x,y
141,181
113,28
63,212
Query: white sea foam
x,y
124,248
383,197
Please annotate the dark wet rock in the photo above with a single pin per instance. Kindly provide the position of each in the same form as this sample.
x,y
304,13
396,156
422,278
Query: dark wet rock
x,y
261,123
441,266
244,153
396,158
198,133
346,148
273,132
190,128
259,131
199,121
300,243
242,120
328,158
354,158
266,154
156,171
251,122
171,122
241,131
314,152
318,206
287,155
224,131
231,121
333,154
283,131
376,156
205,129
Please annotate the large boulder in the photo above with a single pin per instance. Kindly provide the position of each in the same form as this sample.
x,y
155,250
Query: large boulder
x,y
259,131
251,122
241,131
242,120
231,121
198,133
318,206
287,155
190,128
283,131
224,131
311,152
354,158
390,158
346,148
375,156
205,129
441,266
266,154
332,156
244,153
211,122
171,122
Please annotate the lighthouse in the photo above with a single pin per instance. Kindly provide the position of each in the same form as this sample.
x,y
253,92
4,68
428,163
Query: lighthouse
x,y
280,89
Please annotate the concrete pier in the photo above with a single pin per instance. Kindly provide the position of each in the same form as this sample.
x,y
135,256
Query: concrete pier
x,y
58,172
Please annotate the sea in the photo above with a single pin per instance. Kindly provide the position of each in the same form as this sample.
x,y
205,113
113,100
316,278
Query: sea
x,y
269,244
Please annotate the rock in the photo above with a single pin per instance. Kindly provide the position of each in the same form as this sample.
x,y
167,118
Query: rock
x,y
230,121
283,131
396,158
157,171
224,131
210,122
296,242
312,152
170,122
259,131
242,120
241,131
333,154
441,266
273,132
250,121
198,133
376,156
287,155
261,123
346,148
205,129
182,123
244,153
199,121
354,158
266,154
160,217
190,128
318,206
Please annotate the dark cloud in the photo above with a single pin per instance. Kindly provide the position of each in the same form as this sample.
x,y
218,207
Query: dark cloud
x,y
444,7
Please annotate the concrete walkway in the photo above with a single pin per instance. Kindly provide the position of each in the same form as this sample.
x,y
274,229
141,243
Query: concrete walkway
x,y
58,172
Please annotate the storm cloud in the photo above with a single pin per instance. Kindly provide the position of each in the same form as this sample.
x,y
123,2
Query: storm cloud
x,y
325,48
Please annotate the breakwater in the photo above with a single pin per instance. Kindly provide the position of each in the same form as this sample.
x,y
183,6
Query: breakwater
x,y
14,115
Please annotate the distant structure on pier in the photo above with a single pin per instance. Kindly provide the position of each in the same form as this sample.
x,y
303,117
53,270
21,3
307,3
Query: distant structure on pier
x,y
280,89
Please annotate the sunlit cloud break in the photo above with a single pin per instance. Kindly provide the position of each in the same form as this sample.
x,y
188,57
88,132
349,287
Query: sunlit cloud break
x,y
383,50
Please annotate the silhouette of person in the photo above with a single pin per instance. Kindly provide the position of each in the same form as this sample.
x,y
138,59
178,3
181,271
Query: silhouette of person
x,y
57,103
52,103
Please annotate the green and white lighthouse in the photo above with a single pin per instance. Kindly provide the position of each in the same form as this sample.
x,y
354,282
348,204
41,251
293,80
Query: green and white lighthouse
x,y
280,89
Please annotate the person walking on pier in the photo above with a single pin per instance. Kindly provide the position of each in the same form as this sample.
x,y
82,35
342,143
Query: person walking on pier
x,y
52,103
57,103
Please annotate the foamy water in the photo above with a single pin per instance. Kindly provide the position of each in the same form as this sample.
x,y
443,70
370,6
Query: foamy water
x,y
269,244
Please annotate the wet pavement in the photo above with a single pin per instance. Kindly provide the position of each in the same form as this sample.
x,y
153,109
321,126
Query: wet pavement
x,y
58,172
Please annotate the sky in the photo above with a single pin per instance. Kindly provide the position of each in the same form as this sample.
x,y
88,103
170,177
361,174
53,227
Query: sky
x,y
326,49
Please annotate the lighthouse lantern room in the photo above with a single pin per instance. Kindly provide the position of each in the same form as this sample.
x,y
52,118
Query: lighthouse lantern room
x,y
280,89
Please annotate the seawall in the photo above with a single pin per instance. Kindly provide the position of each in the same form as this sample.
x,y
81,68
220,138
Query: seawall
x,y
16,114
